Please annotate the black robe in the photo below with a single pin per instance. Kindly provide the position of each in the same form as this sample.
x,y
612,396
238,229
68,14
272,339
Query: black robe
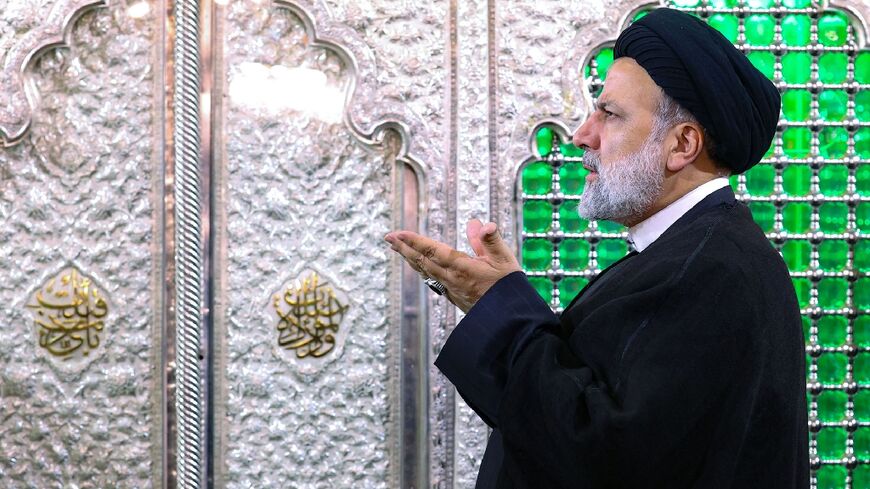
x,y
679,367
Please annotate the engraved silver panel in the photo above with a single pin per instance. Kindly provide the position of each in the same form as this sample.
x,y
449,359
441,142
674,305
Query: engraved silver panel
x,y
301,187
84,188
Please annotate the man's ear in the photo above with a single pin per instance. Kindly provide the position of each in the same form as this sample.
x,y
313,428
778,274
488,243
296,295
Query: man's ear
x,y
686,145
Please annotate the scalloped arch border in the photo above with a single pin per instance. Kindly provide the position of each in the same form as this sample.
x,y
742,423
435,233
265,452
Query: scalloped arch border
x,y
16,114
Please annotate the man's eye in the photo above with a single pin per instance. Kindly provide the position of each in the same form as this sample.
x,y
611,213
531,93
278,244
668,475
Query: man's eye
x,y
609,114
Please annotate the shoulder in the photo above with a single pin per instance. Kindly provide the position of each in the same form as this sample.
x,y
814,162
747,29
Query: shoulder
x,y
721,248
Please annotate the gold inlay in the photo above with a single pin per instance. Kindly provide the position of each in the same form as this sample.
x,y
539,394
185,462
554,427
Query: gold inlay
x,y
308,317
68,313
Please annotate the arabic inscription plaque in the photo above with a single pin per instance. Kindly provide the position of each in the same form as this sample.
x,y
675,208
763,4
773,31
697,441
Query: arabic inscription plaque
x,y
307,314
69,313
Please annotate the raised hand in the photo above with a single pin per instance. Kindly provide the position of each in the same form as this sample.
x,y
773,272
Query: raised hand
x,y
466,277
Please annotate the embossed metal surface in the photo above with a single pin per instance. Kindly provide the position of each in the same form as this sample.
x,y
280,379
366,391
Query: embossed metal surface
x,y
83,190
299,191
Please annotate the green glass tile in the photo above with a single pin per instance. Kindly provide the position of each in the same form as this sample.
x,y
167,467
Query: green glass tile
x,y
831,443
861,293
764,214
685,3
832,368
862,406
543,286
796,142
537,216
832,330
603,60
833,217
831,477
862,255
862,217
796,180
538,178
833,142
571,151
640,15
862,367
734,182
797,255
587,71
797,67
796,30
727,24
862,105
763,62
544,141
609,251
802,288
574,254
832,406
572,177
569,287
862,149
861,440
833,105
759,4
537,254
833,28
610,227
833,254
759,180
862,68
833,67
832,292
796,105
796,217
795,4
861,477
723,3
569,219
759,29
833,180
861,331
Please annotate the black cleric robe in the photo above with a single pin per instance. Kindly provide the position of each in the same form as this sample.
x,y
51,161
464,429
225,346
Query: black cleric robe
x,y
679,367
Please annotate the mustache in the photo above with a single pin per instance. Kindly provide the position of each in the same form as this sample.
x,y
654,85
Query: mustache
x,y
592,160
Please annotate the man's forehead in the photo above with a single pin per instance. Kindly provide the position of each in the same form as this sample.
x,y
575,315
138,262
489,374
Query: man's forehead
x,y
627,83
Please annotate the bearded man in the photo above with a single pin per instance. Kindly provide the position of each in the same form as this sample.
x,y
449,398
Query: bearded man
x,y
681,365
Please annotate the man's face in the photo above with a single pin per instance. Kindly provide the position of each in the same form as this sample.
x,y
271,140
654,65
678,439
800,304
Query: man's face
x,y
624,157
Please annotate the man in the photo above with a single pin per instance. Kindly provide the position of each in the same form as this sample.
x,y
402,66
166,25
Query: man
x,y
681,365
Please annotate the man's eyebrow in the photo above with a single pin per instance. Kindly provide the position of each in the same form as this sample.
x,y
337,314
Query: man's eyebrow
x,y
607,105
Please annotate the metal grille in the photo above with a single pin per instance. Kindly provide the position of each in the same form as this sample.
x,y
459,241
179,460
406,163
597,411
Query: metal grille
x,y
810,194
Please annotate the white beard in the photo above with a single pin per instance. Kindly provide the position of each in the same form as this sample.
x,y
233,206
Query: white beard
x,y
625,189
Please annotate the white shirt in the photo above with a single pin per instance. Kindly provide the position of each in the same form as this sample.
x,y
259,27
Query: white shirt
x,y
645,232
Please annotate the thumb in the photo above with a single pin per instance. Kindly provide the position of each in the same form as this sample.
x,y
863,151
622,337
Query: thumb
x,y
494,244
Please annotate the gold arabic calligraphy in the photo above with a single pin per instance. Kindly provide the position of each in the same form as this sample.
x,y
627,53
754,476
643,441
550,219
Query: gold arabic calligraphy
x,y
310,323
69,312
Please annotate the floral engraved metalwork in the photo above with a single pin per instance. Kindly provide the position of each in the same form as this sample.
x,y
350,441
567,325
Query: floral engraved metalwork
x,y
309,316
69,314
16,99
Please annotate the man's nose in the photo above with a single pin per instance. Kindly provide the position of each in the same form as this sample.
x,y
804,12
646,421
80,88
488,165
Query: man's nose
x,y
587,134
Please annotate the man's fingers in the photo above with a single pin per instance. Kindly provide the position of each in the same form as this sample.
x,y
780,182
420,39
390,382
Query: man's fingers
x,y
426,256
494,246
436,252
472,232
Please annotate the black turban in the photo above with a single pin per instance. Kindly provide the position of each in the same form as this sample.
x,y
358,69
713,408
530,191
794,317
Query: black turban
x,y
700,69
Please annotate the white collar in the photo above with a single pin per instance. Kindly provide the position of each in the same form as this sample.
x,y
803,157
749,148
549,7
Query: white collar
x,y
645,232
